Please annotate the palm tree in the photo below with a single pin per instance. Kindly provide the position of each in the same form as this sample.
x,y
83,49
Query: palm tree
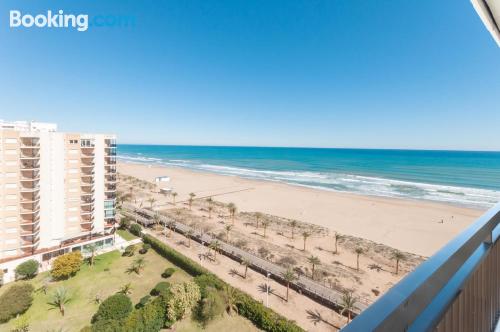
x,y
156,220
171,227
139,265
231,299
313,260
305,235
92,249
60,299
174,195
289,276
337,238
189,234
265,223
215,246
151,201
258,216
126,289
398,256
347,304
293,224
210,201
228,229
232,211
191,199
358,251
210,209
245,262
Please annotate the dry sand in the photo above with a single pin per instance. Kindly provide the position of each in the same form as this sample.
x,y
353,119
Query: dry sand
x,y
417,227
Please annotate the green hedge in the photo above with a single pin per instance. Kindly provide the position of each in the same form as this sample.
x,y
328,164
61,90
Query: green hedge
x,y
262,317
175,257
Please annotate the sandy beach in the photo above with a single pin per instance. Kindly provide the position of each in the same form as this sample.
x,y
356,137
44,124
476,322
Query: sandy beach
x,y
377,226
418,227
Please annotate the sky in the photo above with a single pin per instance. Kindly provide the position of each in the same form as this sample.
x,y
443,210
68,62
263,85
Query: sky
x,y
415,74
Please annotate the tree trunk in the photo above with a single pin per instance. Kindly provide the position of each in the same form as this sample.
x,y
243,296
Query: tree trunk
x,y
304,244
357,263
287,288
246,269
397,266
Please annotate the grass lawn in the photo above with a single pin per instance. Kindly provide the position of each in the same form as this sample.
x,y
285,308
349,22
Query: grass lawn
x,y
126,235
104,278
223,324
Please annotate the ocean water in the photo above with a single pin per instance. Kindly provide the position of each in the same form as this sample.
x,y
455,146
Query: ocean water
x,y
463,178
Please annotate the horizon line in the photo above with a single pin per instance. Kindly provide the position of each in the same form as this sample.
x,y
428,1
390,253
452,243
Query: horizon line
x,y
309,147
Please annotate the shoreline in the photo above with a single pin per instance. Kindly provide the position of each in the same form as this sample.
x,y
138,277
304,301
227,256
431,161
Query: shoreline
x,y
418,226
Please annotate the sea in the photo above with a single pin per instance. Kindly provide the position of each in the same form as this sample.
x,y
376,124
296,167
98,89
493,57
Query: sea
x,y
464,178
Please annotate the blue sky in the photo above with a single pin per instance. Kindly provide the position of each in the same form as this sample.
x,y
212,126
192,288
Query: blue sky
x,y
337,73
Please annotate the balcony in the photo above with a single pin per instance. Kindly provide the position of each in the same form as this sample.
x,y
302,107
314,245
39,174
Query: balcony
x,y
457,289
29,220
110,161
29,198
87,165
30,232
86,202
110,188
30,166
30,155
29,187
29,244
30,142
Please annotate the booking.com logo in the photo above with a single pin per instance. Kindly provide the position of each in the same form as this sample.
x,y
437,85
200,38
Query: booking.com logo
x,y
59,19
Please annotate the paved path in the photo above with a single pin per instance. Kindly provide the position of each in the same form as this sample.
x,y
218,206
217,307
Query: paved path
x,y
305,285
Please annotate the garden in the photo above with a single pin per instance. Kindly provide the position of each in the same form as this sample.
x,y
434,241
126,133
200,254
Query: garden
x,y
75,293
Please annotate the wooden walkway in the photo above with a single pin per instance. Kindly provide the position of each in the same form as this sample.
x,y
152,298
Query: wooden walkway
x,y
316,291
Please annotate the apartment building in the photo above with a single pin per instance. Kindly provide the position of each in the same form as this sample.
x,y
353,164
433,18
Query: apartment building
x,y
56,189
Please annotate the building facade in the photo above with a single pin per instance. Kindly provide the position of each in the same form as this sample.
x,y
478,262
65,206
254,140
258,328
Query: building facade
x,y
56,189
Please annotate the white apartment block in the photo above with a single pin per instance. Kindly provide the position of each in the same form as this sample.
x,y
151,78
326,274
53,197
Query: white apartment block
x,y
56,189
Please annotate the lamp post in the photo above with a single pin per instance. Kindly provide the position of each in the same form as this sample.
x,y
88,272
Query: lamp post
x,y
267,289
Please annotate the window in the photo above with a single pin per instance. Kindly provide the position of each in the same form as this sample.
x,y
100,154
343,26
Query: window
x,y
73,170
73,141
11,163
11,241
10,219
11,175
11,208
11,230
11,152
109,213
11,196
73,219
73,151
10,185
10,141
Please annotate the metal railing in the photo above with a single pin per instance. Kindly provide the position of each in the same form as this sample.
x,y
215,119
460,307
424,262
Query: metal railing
x,y
457,289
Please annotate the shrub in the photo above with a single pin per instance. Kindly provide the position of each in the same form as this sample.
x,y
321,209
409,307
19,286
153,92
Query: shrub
x,y
124,223
150,318
27,270
162,288
184,298
206,281
15,300
143,301
107,325
211,306
66,265
145,248
115,307
86,329
168,272
136,229
129,251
